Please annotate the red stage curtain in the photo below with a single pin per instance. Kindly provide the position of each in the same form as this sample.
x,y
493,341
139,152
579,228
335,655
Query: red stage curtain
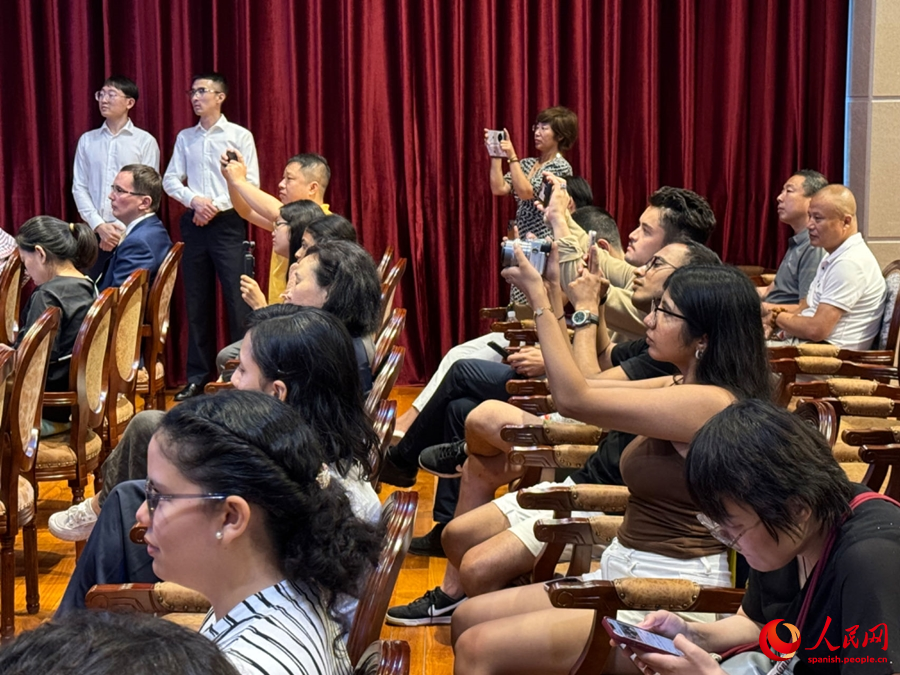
x,y
727,98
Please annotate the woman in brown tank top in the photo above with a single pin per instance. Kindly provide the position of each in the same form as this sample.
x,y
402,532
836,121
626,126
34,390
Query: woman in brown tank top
x,y
707,324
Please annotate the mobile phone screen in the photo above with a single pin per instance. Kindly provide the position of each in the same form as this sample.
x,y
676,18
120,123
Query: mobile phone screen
x,y
634,634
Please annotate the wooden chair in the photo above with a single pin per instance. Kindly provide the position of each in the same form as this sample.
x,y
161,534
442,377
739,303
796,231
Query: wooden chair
x,y
126,348
398,516
151,380
10,297
384,422
789,369
889,336
608,597
389,289
74,454
384,657
385,263
876,357
387,338
385,381
21,397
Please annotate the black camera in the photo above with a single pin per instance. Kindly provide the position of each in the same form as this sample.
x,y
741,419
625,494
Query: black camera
x,y
249,260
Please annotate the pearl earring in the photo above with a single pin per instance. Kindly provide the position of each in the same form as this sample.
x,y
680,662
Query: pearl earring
x,y
219,535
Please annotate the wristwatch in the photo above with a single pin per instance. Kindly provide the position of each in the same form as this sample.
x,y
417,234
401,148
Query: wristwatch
x,y
582,318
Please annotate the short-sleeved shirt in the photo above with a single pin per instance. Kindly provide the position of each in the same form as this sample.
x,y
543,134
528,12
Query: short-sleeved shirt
x,y
602,468
850,279
858,588
74,297
284,629
796,272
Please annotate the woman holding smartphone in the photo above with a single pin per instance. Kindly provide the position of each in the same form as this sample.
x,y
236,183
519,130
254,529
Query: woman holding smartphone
x,y
554,133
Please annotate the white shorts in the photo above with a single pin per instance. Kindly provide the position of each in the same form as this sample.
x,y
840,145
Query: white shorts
x,y
619,562
522,520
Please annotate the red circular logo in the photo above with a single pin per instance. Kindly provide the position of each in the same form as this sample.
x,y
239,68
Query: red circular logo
x,y
770,643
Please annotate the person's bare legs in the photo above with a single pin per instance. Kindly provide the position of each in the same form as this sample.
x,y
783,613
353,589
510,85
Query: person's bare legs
x,y
483,427
517,630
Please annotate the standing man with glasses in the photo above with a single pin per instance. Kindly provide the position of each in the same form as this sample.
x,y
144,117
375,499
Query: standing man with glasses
x,y
102,153
211,229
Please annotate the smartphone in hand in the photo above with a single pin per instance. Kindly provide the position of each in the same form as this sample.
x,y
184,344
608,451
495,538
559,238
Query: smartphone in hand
x,y
545,191
492,141
639,639
500,350
249,260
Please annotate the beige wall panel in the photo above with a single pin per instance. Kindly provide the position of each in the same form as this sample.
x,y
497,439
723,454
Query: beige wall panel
x,y
885,251
861,56
858,113
883,216
886,65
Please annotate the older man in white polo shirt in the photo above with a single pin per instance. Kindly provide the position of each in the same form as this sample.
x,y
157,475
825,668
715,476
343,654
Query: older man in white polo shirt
x,y
845,302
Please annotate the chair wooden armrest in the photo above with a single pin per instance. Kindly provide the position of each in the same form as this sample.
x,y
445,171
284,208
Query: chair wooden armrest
x,y
214,387
552,457
527,388
871,436
578,531
521,335
882,454
568,498
496,313
60,398
536,405
551,433
503,326
159,599
606,597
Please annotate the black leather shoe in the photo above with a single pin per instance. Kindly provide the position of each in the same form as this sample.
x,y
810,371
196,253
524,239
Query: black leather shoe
x,y
188,392
429,544
396,475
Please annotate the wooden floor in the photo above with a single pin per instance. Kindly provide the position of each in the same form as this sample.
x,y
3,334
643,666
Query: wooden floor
x,y
430,646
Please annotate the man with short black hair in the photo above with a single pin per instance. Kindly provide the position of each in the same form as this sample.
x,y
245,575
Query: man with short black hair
x,y
135,197
799,265
103,152
211,228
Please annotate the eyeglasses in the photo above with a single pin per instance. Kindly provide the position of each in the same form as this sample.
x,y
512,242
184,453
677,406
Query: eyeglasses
x,y
108,95
154,497
656,307
718,532
201,91
656,262
120,191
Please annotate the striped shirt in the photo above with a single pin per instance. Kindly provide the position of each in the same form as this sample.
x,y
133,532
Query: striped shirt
x,y
282,630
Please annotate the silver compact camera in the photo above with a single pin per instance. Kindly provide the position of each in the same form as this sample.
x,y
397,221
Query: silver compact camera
x,y
536,250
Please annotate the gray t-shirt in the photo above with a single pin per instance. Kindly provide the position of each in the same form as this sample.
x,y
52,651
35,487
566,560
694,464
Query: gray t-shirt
x,y
796,271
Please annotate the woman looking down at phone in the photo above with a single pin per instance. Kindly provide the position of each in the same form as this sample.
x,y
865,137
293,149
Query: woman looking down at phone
x,y
810,540
554,132
706,325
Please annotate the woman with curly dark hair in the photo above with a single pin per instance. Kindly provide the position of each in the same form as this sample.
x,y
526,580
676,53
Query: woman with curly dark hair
x,y
240,506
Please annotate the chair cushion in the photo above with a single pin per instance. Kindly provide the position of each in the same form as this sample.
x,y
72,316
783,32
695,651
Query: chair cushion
x,y
54,451
142,376
191,621
124,411
26,502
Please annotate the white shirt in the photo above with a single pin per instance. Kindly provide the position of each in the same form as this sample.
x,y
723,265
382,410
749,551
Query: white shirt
x,y
282,630
99,157
133,224
850,279
196,161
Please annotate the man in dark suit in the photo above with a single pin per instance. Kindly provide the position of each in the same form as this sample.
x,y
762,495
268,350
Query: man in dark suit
x,y
135,196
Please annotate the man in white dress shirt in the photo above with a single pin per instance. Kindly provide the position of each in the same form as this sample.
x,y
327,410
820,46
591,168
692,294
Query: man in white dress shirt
x,y
101,154
845,302
211,229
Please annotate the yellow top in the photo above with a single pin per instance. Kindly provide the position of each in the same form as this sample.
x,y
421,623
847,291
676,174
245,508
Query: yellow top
x,y
278,269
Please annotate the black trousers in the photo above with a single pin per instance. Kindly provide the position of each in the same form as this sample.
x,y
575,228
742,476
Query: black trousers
x,y
468,383
211,251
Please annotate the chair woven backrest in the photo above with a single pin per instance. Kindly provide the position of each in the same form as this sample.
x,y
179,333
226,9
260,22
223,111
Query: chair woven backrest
x,y
129,315
10,294
91,359
388,337
890,325
385,381
398,517
161,296
27,387
9,473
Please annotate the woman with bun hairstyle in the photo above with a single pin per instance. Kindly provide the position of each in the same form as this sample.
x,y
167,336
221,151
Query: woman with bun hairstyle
x,y
55,255
240,506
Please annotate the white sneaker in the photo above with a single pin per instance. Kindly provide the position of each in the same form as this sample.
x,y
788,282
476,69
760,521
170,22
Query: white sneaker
x,y
75,523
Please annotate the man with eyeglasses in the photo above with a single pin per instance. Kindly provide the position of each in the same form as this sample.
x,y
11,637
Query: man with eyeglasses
x,y
211,229
101,154
134,196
